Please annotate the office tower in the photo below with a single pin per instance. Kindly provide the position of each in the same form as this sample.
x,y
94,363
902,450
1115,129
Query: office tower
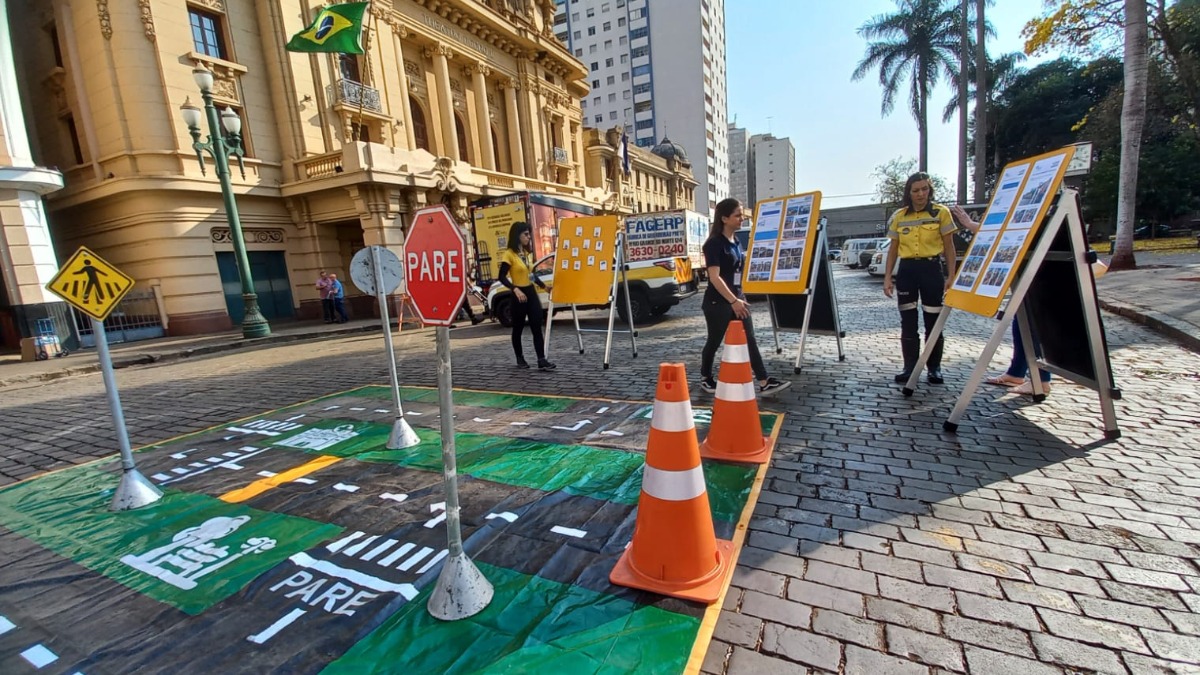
x,y
771,167
657,70
739,184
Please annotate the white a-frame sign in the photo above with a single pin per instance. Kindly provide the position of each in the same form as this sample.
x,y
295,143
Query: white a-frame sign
x,y
1053,298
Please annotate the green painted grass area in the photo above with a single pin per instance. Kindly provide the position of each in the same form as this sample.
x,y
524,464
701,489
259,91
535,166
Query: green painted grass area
x,y
582,470
67,512
477,399
532,625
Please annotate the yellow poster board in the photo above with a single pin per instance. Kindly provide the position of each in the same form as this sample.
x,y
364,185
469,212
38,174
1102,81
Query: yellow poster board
x,y
782,241
90,284
1007,231
492,224
583,265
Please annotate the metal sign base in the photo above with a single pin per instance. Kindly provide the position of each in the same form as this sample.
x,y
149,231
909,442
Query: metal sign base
x,y
461,590
402,435
134,492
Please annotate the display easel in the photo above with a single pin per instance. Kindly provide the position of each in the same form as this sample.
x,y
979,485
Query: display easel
x,y
575,285
1054,289
817,306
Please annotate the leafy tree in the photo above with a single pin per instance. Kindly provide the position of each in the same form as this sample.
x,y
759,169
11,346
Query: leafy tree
x,y
891,176
916,44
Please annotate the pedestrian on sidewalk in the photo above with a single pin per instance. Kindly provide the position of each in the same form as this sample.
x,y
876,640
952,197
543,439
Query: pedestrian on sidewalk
x,y
337,293
922,232
517,276
323,289
724,300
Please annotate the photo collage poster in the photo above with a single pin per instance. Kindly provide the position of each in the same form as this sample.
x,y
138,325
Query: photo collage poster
x,y
584,264
1024,190
781,240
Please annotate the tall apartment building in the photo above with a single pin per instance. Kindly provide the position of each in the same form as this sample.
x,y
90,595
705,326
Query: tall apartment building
x,y
771,167
739,179
658,70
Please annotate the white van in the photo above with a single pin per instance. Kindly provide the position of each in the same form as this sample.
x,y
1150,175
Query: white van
x,y
852,249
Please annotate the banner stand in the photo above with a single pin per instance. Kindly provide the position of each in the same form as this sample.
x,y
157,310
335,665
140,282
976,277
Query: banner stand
x,y
820,292
619,267
1055,246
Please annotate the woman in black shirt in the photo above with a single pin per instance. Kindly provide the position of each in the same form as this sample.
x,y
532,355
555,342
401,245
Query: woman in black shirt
x,y
724,301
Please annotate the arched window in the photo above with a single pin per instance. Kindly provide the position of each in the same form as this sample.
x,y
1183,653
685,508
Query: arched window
x,y
461,132
420,134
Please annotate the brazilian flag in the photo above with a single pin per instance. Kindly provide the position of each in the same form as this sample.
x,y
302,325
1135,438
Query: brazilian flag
x,y
337,28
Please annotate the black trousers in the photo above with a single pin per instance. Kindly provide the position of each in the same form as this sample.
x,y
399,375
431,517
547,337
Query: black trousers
x,y
529,312
920,281
717,315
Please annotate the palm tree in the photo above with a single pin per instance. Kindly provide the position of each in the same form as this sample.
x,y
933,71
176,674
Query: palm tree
x,y
1000,73
1133,119
917,43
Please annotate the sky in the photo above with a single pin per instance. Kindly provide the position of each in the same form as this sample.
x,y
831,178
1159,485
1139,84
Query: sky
x,y
789,63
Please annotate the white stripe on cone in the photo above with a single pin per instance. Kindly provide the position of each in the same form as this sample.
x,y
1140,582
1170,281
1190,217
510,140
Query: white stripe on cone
x,y
730,391
736,354
672,416
673,486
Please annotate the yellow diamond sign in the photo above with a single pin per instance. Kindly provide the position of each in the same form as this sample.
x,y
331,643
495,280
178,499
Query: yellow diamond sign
x,y
90,284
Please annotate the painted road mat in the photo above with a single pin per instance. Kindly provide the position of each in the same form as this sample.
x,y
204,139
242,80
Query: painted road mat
x,y
295,542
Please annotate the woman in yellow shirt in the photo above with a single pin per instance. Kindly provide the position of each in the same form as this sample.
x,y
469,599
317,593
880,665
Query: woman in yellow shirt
x,y
516,275
921,232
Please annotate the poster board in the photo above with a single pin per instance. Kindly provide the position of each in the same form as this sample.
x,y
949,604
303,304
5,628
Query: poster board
x,y
1007,232
815,310
492,224
583,264
782,240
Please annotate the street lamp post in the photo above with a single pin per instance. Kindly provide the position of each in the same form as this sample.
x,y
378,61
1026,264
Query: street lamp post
x,y
220,145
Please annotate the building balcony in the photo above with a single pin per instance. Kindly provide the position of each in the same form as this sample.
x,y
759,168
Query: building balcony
x,y
355,95
559,157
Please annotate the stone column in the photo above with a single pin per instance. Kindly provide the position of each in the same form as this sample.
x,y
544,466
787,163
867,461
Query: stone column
x,y
515,150
479,73
410,140
577,141
441,70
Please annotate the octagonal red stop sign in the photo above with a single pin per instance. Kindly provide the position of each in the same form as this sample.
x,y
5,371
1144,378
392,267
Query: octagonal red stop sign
x,y
435,265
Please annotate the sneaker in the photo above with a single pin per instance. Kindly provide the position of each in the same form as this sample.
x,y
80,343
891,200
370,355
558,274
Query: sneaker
x,y
522,364
901,378
543,364
476,320
935,376
707,384
772,386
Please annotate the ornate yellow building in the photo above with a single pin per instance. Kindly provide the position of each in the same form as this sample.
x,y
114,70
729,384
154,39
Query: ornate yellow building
x,y
659,179
453,100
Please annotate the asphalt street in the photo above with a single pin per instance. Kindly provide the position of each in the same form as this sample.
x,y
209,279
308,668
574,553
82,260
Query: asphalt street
x,y
1023,544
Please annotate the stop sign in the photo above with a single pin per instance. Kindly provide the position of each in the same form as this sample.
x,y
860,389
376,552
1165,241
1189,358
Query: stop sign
x,y
434,265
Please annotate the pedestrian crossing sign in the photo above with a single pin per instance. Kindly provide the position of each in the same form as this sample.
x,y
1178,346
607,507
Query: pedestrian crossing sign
x,y
90,284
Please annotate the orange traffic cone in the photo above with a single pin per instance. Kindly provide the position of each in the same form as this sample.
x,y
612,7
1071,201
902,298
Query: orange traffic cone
x,y
735,433
675,550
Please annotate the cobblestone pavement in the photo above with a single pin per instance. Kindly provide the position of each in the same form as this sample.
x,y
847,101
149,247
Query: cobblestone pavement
x,y
1025,544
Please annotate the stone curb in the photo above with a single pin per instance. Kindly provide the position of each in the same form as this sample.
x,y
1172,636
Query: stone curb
x,y
1182,332
127,360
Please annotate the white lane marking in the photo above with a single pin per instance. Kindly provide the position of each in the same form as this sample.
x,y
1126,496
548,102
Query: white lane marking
x,y
284,622
416,558
357,548
482,419
341,543
306,481
197,465
333,407
382,410
569,531
397,554
506,515
214,460
387,543
413,413
38,656
441,517
433,561
518,424
179,470
578,425
231,454
602,410
261,432
179,455
346,488
358,409
395,498
610,432
160,476
265,474
6,625
231,466
295,417
358,578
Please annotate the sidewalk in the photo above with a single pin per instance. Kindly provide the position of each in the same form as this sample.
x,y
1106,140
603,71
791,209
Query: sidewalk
x,y
1163,294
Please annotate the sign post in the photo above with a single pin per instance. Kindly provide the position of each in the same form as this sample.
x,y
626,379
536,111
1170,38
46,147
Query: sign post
x,y
376,271
434,272
94,287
